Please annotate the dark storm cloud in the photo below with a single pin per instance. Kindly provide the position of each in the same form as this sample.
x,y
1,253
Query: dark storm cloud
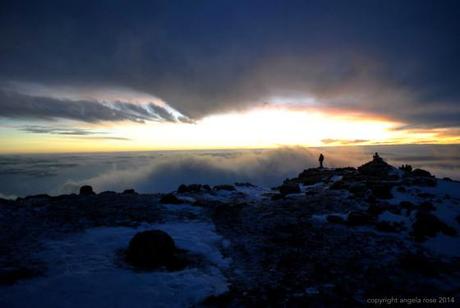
x,y
16,105
388,57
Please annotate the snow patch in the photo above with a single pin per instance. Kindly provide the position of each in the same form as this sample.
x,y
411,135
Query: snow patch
x,y
82,271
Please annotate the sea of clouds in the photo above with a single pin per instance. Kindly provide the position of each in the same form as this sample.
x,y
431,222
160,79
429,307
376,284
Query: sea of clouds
x,y
150,172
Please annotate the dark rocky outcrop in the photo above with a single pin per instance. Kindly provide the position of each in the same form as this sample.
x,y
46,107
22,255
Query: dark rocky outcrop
x,y
421,173
281,253
419,177
376,168
381,190
226,187
193,188
151,249
86,190
289,188
170,199
428,225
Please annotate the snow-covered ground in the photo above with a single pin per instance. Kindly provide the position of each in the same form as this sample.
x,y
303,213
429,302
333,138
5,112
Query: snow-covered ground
x,y
83,272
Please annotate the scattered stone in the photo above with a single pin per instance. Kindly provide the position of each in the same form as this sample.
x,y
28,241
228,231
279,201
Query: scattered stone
x,y
382,190
428,225
339,185
313,175
86,190
289,188
151,249
358,189
193,188
421,173
170,199
226,187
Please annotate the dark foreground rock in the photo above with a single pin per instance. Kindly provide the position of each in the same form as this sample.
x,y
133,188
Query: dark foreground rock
x,y
429,225
289,188
86,190
170,199
150,249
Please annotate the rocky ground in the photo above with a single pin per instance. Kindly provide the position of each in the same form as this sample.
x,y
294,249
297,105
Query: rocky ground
x,y
328,237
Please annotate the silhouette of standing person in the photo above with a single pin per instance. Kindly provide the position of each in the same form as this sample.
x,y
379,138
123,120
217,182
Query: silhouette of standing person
x,y
321,159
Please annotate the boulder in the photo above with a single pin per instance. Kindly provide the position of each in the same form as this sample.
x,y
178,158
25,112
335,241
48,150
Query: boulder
x,y
313,176
170,199
86,190
150,249
421,173
428,225
289,188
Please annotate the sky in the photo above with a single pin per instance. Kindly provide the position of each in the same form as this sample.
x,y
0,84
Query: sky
x,y
88,76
